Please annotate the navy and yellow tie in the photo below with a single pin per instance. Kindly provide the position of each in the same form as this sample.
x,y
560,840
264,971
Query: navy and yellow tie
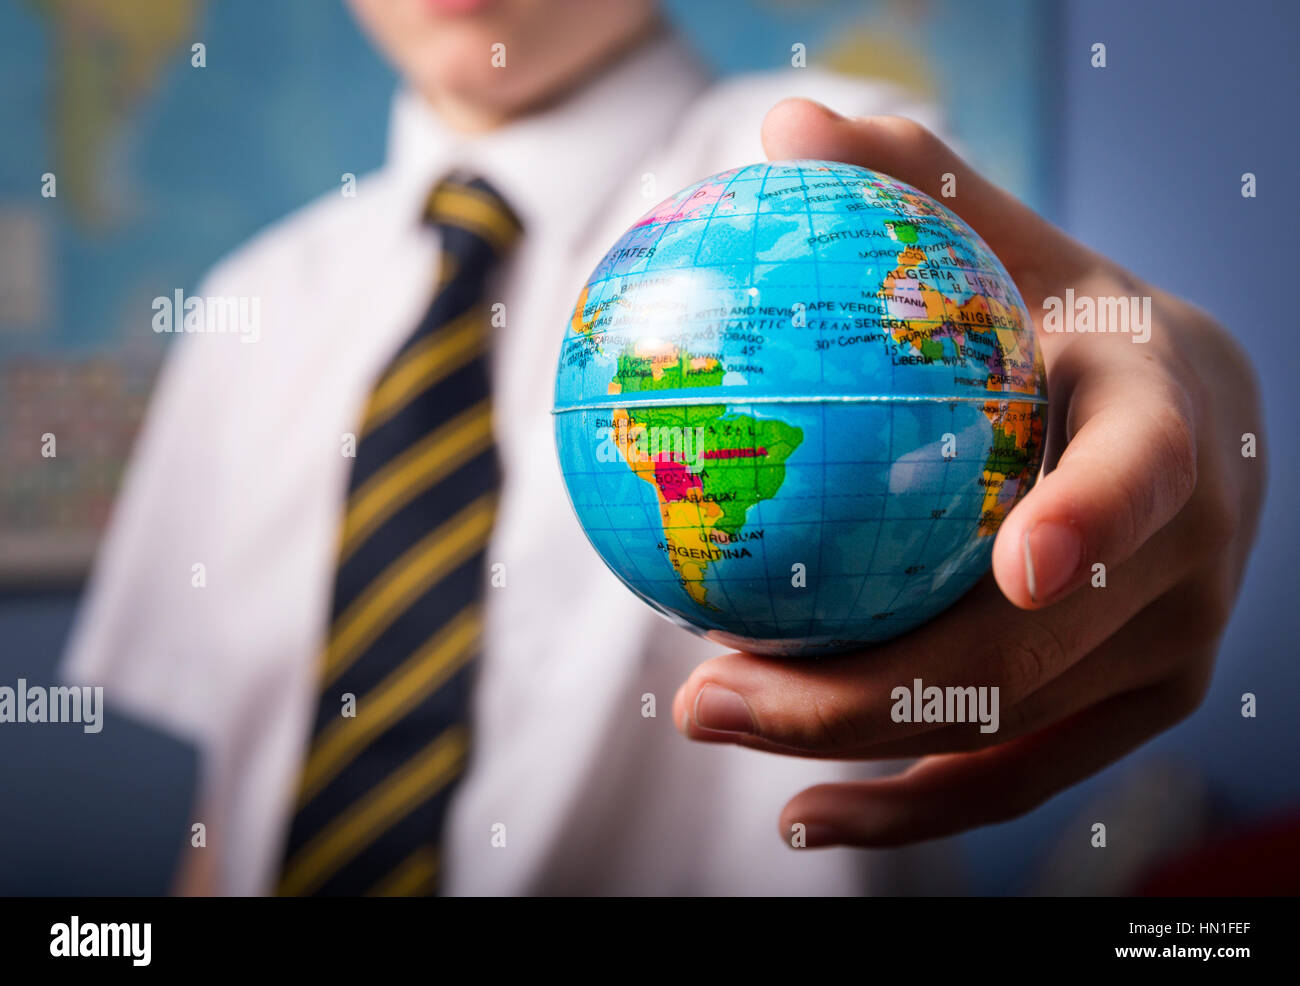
x,y
407,617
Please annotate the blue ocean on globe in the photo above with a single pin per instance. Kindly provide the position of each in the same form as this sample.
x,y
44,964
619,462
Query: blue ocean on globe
x,y
795,402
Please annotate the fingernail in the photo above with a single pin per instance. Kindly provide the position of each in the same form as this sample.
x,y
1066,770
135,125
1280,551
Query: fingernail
x,y
722,710
1052,553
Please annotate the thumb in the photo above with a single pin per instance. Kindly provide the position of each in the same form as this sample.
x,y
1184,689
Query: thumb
x,y
1030,247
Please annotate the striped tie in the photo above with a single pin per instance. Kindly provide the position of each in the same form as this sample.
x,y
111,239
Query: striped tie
x,y
407,617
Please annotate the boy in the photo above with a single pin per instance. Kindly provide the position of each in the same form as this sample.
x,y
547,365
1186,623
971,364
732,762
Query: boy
x,y
550,778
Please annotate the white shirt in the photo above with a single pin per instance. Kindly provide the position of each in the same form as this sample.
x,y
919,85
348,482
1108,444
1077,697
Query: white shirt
x,y
240,469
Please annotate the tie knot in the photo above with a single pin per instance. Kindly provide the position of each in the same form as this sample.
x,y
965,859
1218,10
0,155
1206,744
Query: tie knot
x,y
472,217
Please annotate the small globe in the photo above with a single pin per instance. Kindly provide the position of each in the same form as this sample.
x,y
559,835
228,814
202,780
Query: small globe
x,y
795,401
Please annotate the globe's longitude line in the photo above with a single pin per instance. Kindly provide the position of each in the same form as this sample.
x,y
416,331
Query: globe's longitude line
x,y
920,553
812,622
619,531
758,506
687,408
893,372
649,525
821,379
821,540
822,353
949,317
712,571
652,526
875,543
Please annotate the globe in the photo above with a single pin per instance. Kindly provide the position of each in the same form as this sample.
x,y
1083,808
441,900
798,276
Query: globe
x,y
795,402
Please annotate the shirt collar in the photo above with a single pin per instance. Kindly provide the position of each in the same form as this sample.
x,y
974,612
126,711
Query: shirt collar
x,y
553,166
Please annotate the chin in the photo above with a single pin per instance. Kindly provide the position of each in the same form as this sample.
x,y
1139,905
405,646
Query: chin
x,y
465,72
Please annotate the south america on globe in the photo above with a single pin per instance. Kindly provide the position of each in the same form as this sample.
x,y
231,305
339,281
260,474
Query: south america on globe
x,y
795,402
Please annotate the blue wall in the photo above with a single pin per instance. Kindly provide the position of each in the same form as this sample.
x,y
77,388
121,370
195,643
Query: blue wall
x,y
1195,93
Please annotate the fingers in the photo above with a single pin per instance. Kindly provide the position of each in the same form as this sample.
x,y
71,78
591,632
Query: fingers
x,y
1150,648
842,707
1131,463
943,795
1023,240
1129,467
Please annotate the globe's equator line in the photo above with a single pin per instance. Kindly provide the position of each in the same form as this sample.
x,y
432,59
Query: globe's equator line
x,y
685,399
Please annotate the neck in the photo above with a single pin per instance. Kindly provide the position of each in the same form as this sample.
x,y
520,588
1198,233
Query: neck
x,y
464,116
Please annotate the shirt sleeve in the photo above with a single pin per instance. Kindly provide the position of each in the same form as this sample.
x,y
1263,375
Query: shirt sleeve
x,y
133,633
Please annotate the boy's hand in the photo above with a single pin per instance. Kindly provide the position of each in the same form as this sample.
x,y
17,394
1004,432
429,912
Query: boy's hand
x,y
1146,476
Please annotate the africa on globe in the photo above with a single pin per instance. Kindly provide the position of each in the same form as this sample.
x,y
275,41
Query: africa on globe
x,y
795,402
